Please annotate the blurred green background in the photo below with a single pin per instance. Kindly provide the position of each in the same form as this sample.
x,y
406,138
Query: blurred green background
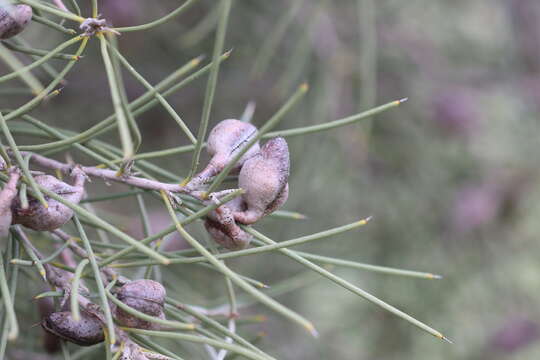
x,y
450,176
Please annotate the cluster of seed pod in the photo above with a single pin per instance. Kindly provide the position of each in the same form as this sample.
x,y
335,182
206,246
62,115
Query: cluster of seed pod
x,y
263,174
146,296
13,20
36,216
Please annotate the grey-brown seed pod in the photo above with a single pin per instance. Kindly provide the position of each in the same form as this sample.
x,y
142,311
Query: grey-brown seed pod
x,y
88,331
13,20
222,228
7,194
224,141
51,342
146,296
40,218
264,177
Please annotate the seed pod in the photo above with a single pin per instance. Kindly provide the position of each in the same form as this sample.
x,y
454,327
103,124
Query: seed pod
x,y
264,177
7,195
225,140
88,331
146,296
13,20
51,342
40,218
221,226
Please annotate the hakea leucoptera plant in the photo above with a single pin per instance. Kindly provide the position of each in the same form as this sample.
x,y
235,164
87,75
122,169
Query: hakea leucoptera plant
x,y
31,199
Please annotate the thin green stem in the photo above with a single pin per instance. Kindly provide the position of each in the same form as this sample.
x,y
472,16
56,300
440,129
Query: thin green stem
x,y
163,322
75,6
44,21
14,63
52,53
52,10
140,102
367,66
336,123
8,303
121,117
199,339
39,98
137,245
95,11
38,52
368,267
271,303
157,95
269,46
210,86
99,282
74,299
159,21
36,261
199,214
213,323
345,284
113,44
257,250
20,161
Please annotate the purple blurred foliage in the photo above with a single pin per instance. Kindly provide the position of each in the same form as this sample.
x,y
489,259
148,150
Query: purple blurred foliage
x,y
475,205
515,334
495,199
121,12
455,112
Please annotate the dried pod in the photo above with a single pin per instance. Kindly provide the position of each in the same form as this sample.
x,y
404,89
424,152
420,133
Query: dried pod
x,y
221,226
40,218
88,331
146,296
264,177
51,342
13,20
225,140
7,195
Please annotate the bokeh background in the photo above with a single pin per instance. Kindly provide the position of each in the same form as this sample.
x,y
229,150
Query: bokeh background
x,y
450,177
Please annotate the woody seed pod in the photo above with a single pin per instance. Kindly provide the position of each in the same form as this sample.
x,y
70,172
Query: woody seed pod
x,y
88,331
223,228
13,20
264,177
7,194
225,140
146,296
40,218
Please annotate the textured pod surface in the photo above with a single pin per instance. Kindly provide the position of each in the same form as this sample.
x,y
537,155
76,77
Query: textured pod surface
x,y
227,138
265,177
225,231
88,331
40,218
13,20
146,296
7,194
224,141
51,342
